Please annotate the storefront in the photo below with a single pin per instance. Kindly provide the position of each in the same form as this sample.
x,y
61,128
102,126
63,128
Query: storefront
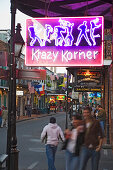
x,y
57,102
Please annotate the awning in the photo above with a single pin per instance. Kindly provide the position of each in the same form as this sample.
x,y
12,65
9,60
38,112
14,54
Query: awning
x,y
61,8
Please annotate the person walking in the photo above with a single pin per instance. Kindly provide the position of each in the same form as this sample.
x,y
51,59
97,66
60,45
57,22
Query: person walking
x,y
92,141
29,110
4,116
101,116
73,142
48,108
0,117
52,133
70,112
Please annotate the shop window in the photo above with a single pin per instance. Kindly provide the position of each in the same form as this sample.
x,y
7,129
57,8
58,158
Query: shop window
x,y
5,100
0,100
3,83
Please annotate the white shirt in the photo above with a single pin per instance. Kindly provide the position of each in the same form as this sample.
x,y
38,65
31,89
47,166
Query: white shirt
x,y
88,124
72,141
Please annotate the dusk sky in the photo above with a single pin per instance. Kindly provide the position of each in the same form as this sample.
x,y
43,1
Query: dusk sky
x,y
5,21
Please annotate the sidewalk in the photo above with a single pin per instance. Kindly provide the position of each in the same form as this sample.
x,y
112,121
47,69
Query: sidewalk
x,y
33,116
106,160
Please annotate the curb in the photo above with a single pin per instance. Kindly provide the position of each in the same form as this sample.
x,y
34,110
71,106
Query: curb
x,y
17,121
106,146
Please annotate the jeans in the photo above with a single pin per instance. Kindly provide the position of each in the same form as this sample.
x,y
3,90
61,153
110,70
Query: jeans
x,y
102,124
50,152
72,161
4,121
84,157
0,120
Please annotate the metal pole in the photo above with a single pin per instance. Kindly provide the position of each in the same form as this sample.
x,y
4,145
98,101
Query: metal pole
x,y
108,139
66,125
112,30
12,140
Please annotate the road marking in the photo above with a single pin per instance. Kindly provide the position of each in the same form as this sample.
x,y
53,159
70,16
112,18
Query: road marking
x,y
32,165
35,140
105,152
37,149
26,136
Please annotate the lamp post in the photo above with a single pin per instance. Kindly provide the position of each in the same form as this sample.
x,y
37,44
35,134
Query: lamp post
x,y
107,130
16,38
66,123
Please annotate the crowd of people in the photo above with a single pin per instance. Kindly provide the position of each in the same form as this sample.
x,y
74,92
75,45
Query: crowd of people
x,y
83,141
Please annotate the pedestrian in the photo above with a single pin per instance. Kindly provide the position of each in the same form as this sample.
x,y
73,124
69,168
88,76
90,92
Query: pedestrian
x,y
29,110
101,116
52,133
73,142
92,141
48,108
70,112
0,117
94,111
4,116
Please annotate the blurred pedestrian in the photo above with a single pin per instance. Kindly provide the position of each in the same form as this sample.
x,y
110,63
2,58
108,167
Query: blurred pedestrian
x,y
0,117
29,110
70,112
73,142
92,141
48,108
4,116
93,112
51,133
101,116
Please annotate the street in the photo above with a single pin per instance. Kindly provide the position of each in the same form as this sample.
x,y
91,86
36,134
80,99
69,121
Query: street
x,y
32,151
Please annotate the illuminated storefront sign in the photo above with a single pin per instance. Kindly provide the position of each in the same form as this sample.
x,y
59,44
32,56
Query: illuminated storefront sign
x,y
19,93
69,41
87,89
52,99
89,76
60,97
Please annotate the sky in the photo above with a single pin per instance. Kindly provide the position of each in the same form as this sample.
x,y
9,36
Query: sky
x,y
5,21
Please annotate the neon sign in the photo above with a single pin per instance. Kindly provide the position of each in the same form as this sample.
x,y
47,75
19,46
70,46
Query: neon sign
x,y
60,97
69,41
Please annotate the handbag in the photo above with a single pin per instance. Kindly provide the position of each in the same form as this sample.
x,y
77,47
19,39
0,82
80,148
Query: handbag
x,y
44,140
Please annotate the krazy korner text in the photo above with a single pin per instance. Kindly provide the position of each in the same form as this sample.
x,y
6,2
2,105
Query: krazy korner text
x,y
64,55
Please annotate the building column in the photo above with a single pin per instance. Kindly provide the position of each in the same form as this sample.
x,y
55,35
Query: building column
x,y
111,103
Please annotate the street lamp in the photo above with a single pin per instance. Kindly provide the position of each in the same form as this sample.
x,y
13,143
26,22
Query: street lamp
x,y
15,41
19,42
66,123
12,150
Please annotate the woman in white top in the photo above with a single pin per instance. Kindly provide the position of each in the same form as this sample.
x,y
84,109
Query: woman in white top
x,y
74,140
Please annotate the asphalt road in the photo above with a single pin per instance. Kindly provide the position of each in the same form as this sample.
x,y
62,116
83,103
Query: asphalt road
x,y
32,155
32,152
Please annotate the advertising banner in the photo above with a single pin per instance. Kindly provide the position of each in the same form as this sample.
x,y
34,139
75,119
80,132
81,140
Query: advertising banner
x,y
64,41
31,74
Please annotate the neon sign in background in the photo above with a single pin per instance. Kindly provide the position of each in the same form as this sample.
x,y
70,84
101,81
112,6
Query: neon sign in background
x,y
69,41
